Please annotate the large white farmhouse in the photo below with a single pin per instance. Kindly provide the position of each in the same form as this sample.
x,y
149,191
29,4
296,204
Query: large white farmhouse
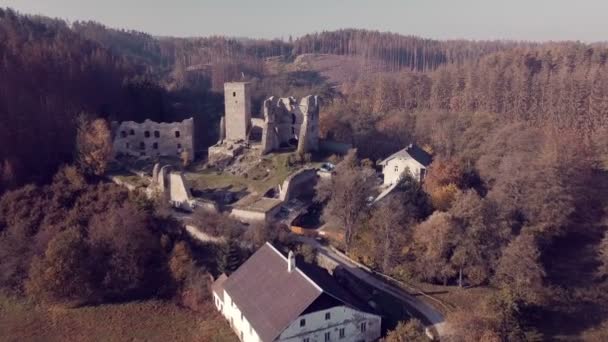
x,y
269,299
412,158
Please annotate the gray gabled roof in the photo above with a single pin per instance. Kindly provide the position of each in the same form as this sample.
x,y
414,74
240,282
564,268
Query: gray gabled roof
x,y
411,151
271,298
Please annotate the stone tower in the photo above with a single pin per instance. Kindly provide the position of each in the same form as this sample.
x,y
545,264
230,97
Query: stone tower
x,y
237,121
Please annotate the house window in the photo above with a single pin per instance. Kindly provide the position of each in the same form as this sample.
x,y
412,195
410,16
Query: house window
x,y
131,132
327,316
155,146
142,145
147,134
177,134
327,336
156,134
123,134
302,322
342,334
363,327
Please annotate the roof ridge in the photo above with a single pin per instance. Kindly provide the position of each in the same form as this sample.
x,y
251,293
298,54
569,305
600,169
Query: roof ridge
x,y
297,269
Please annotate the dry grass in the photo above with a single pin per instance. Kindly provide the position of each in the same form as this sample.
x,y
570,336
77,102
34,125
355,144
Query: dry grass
x,y
271,171
150,320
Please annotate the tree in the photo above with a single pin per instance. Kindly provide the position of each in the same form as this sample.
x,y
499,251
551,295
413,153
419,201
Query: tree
x,y
130,261
442,182
229,257
63,273
435,240
412,331
520,270
93,144
602,271
181,263
387,228
346,194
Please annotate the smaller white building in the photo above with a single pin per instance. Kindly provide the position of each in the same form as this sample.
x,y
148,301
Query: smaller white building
x,y
412,159
270,299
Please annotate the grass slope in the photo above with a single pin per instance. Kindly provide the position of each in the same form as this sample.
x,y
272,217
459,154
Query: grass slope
x,y
150,320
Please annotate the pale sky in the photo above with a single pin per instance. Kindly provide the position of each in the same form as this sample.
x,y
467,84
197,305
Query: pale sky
x,y
584,20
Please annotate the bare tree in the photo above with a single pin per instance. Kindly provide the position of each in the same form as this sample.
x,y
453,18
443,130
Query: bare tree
x,y
346,194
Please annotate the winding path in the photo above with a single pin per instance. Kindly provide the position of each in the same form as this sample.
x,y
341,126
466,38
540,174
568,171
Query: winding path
x,y
420,308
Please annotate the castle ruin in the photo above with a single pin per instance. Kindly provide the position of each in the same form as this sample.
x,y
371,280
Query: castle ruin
x,y
154,139
287,123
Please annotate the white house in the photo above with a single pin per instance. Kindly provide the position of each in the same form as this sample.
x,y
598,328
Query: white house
x,y
411,158
269,298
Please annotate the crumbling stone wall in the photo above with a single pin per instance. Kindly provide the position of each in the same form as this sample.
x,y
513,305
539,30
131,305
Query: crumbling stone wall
x,y
151,138
299,184
288,122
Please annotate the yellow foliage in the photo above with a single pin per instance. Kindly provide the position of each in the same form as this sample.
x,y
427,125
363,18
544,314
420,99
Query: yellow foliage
x,y
443,196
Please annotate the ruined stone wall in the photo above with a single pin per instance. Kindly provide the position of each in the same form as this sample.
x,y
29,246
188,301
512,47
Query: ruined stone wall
x,y
237,100
289,122
300,184
151,138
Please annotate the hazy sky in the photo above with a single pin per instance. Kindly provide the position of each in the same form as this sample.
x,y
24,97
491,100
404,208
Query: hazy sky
x,y
472,19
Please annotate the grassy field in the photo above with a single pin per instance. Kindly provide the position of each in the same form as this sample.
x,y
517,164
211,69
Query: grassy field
x,y
271,171
137,321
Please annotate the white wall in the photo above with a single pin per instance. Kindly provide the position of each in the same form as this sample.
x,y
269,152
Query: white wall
x,y
394,168
341,317
238,322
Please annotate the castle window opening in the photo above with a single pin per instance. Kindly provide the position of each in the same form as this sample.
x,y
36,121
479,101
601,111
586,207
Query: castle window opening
x,y
234,94
177,134
147,134
123,134
127,145
179,146
155,146
132,132
142,145
156,134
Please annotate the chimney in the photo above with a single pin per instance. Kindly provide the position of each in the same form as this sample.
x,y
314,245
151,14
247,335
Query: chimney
x,y
291,262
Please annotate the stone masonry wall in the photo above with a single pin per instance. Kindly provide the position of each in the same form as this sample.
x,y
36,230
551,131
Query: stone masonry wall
x,y
237,100
151,138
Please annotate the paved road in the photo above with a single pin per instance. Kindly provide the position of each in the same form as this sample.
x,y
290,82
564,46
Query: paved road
x,y
424,309
431,314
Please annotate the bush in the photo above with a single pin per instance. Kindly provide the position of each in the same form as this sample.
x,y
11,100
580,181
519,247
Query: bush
x,y
63,274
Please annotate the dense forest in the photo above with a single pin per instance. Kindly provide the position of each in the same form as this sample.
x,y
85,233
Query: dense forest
x,y
514,200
